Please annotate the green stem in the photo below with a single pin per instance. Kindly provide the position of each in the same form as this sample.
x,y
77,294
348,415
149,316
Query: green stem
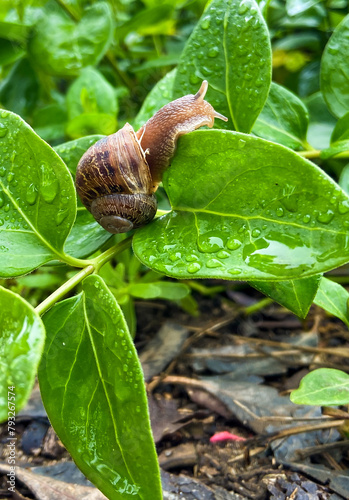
x,y
93,266
63,290
258,306
99,261
313,153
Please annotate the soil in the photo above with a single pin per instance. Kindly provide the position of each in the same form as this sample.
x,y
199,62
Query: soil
x,y
230,370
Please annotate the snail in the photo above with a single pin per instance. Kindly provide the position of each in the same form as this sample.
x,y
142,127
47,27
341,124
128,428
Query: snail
x,y
117,177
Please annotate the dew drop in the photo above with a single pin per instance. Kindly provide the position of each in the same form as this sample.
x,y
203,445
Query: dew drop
x,y
7,207
213,52
1,201
243,8
32,193
325,217
343,207
193,268
210,243
4,114
306,218
194,79
213,263
223,254
61,215
233,244
3,130
49,183
192,258
234,272
2,171
279,211
10,176
241,143
256,233
175,256
1,222
205,24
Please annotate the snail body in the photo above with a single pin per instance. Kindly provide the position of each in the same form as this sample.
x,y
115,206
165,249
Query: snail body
x,y
117,177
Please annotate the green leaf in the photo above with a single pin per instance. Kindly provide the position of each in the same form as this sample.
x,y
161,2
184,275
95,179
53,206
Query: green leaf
x,y
230,48
296,295
37,199
284,119
72,151
87,235
50,121
61,47
91,93
325,386
295,7
93,390
321,121
333,298
19,91
248,209
335,149
344,179
159,290
10,52
159,96
335,70
15,32
22,337
341,130
91,124
147,18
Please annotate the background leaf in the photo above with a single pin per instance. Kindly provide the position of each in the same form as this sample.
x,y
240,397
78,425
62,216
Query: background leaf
x,y
284,119
332,297
91,93
37,199
230,48
335,70
93,391
22,337
325,386
296,295
238,212
55,34
159,96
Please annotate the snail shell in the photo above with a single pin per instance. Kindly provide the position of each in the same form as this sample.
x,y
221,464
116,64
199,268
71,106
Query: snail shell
x,y
116,178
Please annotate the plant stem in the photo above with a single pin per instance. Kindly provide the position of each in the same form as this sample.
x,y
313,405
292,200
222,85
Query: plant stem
x,y
313,153
99,261
93,266
257,306
63,290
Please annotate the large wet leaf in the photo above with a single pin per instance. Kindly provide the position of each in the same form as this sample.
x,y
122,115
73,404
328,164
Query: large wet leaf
x,y
296,295
230,48
86,235
333,297
284,119
93,391
61,47
22,337
248,209
323,387
335,70
37,199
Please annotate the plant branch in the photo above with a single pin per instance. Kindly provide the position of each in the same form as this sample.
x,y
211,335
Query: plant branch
x,y
93,266
313,153
63,290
